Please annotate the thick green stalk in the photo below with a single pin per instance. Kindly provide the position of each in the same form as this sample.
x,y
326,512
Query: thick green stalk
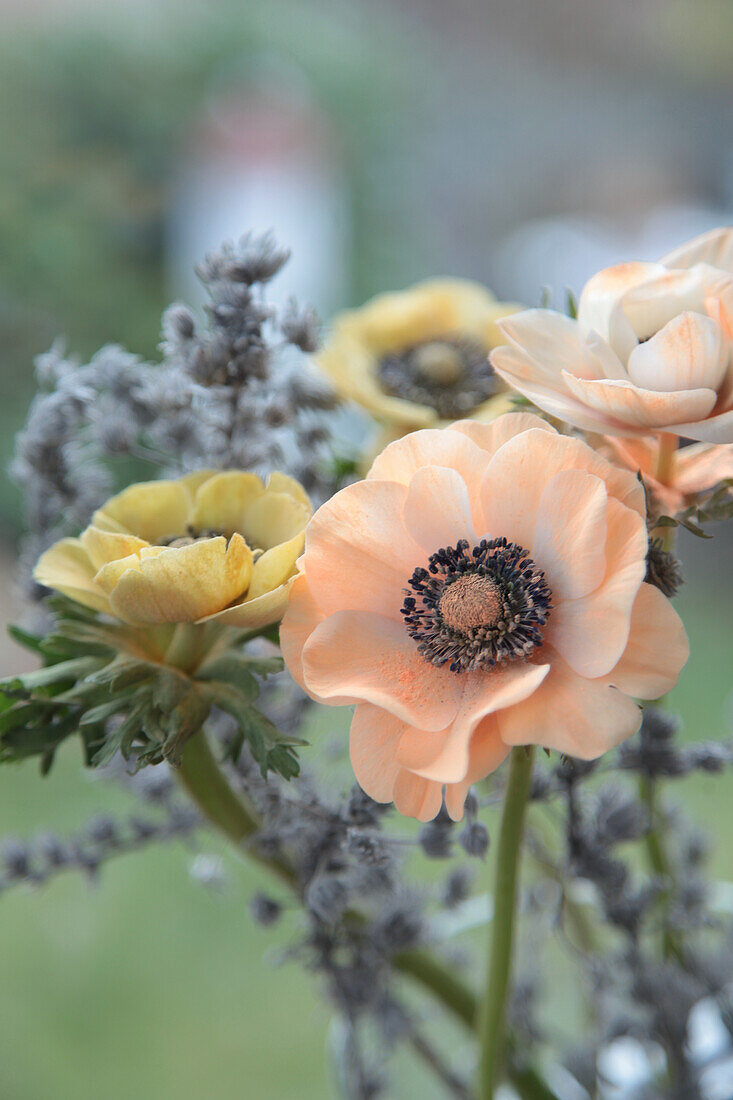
x,y
209,788
492,1023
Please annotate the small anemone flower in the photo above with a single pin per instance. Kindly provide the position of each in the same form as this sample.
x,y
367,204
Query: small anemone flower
x,y
694,469
418,358
651,349
209,547
482,588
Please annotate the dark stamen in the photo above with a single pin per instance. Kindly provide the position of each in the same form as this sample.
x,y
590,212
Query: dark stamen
x,y
449,374
476,608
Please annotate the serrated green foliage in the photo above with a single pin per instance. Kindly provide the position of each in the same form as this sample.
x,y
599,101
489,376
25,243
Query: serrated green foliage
x,y
98,683
713,507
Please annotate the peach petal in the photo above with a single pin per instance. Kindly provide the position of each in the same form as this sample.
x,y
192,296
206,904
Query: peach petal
x,y
715,429
657,648
571,714
359,554
438,509
490,437
300,620
548,392
371,658
714,247
630,406
598,307
487,752
445,755
550,338
373,740
688,353
591,633
570,536
399,461
653,304
519,471
416,797
701,466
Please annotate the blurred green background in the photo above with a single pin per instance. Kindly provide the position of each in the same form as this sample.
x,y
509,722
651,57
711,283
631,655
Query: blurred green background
x,y
521,144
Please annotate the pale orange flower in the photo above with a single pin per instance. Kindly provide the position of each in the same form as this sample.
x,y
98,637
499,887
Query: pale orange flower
x,y
651,350
482,588
693,470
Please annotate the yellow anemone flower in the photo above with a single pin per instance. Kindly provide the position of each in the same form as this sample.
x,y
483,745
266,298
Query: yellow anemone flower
x,y
209,546
419,358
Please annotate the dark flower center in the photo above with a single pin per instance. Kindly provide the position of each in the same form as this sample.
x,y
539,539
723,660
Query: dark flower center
x,y
474,608
449,374
190,535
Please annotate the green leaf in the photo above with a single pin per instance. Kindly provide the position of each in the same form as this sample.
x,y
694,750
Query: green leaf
x,y
25,638
234,669
75,669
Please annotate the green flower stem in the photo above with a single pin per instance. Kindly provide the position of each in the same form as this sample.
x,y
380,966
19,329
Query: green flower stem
x,y
431,973
491,1023
659,862
226,810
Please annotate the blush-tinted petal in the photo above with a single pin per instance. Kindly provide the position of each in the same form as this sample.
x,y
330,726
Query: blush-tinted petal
x,y
571,714
489,437
599,305
359,555
373,740
631,406
416,797
438,508
546,389
486,753
714,248
591,633
300,620
519,471
714,429
657,649
371,658
689,353
400,461
552,341
444,755
569,542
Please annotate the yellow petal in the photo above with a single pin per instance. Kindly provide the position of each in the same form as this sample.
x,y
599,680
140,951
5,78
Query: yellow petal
x,y
183,583
281,483
195,480
275,566
253,614
223,500
66,568
106,546
111,571
274,518
152,510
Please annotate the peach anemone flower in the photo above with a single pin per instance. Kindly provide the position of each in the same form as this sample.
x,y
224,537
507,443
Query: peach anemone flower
x,y
483,587
651,350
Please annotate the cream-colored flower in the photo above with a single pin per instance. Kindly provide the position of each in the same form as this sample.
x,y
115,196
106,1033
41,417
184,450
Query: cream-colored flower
x,y
651,350
211,545
419,358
